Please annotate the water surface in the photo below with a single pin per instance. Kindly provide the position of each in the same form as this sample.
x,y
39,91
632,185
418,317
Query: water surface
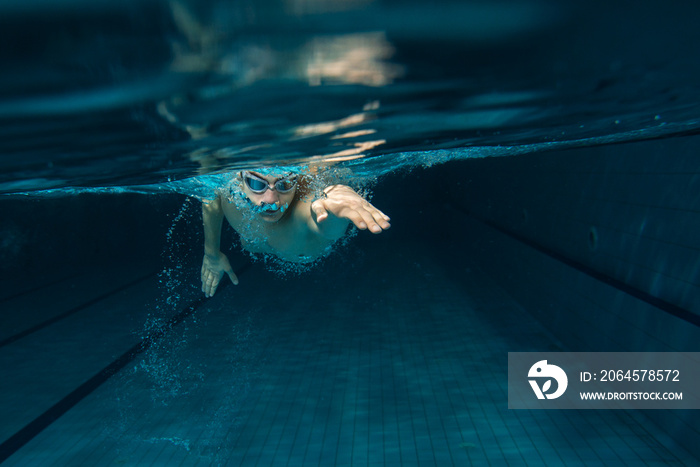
x,y
123,94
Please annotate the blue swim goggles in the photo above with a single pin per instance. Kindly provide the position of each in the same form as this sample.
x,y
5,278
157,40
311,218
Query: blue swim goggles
x,y
259,185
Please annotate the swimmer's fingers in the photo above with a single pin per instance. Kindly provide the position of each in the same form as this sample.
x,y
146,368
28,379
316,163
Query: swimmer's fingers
x,y
369,218
362,219
233,276
364,216
213,270
344,202
210,281
319,208
381,214
380,220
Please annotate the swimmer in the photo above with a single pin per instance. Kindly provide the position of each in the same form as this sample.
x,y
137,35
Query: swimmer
x,y
285,222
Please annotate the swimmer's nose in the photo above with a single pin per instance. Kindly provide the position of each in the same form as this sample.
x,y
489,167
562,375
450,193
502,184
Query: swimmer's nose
x,y
270,197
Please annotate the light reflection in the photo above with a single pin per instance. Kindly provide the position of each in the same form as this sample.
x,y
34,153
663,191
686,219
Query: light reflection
x,y
316,129
357,150
351,59
355,134
238,63
351,153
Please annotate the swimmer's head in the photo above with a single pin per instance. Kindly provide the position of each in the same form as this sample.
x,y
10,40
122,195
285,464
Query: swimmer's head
x,y
270,193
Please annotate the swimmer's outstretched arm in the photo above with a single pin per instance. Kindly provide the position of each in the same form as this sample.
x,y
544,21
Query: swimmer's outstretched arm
x,y
342,204
215,263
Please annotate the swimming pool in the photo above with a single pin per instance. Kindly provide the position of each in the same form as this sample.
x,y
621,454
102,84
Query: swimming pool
x,y
539,164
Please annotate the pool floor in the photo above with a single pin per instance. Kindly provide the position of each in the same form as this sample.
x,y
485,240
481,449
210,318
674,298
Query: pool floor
x,y
379,357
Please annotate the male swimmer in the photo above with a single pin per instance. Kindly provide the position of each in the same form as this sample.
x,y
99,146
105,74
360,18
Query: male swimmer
x,y
272,214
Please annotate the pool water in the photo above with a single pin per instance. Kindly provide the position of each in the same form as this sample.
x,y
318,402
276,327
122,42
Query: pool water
x,y
389,354
539,163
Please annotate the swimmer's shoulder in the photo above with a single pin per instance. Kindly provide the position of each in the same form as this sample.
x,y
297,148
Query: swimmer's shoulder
x,y
303,215
231,210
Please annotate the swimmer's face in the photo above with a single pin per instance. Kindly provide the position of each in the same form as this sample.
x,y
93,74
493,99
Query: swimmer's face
x,y
271,194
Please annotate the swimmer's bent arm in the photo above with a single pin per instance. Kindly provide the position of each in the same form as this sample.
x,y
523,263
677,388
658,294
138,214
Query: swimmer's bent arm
x,y
330,215
215,263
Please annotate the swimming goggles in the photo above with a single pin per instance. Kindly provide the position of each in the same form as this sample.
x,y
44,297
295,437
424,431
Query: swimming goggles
x,y
259,185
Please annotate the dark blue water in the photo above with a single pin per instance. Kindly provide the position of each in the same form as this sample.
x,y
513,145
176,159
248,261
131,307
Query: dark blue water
x,y
153,96
125,93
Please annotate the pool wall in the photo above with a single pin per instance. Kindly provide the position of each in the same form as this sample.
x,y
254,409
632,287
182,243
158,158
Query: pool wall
x,y
44,240
599,244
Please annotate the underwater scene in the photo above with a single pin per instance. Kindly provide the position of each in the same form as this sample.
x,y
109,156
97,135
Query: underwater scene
x,y
323,232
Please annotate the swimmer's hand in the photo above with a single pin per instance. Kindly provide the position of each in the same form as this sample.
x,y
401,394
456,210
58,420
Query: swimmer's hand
x,y
213,269
344,203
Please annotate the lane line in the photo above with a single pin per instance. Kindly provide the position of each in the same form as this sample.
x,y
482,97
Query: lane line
x,y
40,423
72,311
